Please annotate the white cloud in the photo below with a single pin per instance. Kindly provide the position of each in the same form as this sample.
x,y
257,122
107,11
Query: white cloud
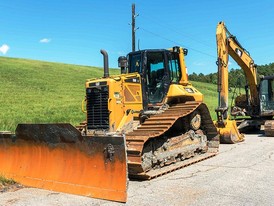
x,y
45,40
4,49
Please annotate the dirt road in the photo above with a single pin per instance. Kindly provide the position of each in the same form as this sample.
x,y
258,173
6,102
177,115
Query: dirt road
x,y
240,174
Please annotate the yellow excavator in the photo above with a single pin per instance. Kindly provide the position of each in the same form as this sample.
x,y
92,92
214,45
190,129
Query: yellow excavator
x,y
143,123
250,110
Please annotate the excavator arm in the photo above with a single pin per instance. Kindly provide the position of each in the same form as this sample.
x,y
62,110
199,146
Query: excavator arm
x,y
222,63
227,45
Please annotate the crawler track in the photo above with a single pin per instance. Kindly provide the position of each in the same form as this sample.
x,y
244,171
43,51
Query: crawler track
x,y
157,126
269,128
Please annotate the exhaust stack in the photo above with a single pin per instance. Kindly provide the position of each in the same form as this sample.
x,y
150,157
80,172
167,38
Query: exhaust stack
x,y
106,67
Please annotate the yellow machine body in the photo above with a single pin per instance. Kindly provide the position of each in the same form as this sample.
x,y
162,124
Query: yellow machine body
x,y
124,99
152,102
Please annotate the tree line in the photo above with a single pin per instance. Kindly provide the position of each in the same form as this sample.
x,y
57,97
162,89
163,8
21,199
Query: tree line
x,y
236,77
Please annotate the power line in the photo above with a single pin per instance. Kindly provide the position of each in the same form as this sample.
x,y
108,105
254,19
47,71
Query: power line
x,y
162,37
176,31
171,28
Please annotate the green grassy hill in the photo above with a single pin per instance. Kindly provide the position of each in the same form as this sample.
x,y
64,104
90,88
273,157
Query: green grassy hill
x,y
39,92
210,95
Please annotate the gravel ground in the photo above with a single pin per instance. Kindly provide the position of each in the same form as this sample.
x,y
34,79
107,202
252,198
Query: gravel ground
x,y
241,174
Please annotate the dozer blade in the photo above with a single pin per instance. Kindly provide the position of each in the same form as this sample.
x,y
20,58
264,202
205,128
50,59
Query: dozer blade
x,y
57,157
230,133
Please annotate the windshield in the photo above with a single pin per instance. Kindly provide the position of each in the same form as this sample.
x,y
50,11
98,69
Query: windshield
x,y
267,96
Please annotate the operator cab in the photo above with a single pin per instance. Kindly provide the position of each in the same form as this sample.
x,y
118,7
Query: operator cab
x,y
267,96
158,69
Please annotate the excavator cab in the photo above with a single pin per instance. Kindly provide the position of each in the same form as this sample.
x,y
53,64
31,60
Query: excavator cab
x,y
267,96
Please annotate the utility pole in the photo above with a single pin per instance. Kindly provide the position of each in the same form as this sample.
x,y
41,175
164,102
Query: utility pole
x,y
133,27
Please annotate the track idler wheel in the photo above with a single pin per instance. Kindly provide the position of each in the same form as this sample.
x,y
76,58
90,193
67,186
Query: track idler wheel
x,y
195,121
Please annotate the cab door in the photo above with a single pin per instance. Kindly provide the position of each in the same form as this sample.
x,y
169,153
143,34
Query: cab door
x,y
157,76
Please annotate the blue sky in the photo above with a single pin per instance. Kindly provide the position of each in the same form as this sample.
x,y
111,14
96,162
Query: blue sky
x,y
74,31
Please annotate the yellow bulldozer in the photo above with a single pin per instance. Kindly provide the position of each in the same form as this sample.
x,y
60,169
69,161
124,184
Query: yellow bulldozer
x,y
143,123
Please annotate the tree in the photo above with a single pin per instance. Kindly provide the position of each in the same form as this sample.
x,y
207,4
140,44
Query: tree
x,y
236,77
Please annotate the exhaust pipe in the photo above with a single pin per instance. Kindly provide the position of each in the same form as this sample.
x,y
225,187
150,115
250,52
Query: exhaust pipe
x,y
106,68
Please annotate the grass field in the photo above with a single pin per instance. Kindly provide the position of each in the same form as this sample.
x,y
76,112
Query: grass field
x,y
39,92
210,95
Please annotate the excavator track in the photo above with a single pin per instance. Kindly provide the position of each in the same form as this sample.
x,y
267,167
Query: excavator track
x,y
269,128
158,127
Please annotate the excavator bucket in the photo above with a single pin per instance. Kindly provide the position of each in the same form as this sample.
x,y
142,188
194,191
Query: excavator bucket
x,y
57,157
229,134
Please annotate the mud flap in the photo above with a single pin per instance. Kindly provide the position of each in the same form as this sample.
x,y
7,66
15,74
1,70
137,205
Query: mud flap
x,y
57,157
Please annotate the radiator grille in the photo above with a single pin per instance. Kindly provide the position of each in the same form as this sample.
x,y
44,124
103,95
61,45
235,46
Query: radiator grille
x,y
97,107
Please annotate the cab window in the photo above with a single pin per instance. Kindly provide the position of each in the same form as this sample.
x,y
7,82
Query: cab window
x,y
174,68
135,63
